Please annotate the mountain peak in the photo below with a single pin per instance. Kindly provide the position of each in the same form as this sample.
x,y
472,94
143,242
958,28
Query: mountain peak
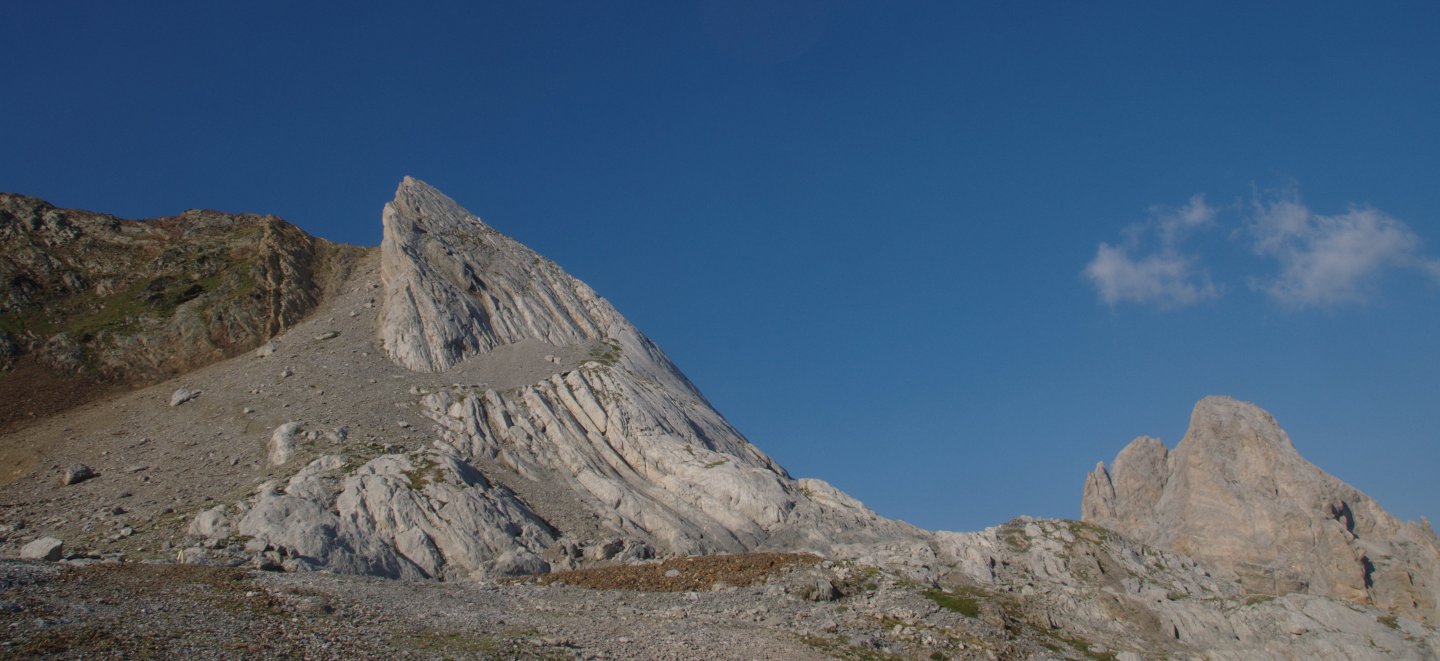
x,y
454,287
1235,493
1224,424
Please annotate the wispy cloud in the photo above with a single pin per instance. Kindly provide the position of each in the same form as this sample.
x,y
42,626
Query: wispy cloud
x,y
1153,271
1331,260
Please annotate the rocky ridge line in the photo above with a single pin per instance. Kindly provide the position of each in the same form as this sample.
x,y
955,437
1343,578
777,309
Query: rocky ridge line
x,y
91,300
1237,495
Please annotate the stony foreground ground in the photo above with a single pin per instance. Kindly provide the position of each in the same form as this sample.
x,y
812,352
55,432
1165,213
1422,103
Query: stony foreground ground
x,y
756,606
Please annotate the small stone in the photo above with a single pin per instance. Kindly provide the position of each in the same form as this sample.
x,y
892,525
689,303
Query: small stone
x,y
45,548
183,395
136,468
327,335
672,573
265,350
404,425
77,473
287,373
282,443
247,410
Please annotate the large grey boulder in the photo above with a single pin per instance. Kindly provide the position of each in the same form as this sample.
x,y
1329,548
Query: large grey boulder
x,y
1236,494
45,548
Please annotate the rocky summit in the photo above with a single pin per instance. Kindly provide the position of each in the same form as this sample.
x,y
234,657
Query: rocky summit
x,y
449,447
1236,494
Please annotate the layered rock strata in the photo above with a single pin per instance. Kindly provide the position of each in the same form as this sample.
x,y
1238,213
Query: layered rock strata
x,y
614,453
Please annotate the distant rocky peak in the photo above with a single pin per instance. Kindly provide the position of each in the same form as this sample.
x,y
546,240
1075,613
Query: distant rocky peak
x,y
1235,493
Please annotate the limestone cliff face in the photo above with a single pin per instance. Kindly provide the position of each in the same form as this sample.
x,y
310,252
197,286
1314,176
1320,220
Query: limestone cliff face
x,y
632,442
1236,494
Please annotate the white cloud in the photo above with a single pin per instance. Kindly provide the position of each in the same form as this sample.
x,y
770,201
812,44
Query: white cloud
x,y
1331,260
1162,277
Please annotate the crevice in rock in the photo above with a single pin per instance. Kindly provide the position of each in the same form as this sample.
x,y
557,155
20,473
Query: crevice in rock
x,y
1342,513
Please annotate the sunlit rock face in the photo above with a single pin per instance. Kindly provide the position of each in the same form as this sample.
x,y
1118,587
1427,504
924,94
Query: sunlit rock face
x,y
620,434
1236,494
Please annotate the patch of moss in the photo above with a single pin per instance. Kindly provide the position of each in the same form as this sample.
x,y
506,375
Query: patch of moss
x,y
1389,621
1083,647
606,353
1014,537
964,603
840,648
425,472
1086,531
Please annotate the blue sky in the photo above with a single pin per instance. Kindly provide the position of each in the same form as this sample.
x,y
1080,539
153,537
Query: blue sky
x,y
944,255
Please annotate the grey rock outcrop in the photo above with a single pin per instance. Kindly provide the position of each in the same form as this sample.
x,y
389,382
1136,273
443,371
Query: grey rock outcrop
x,y
213,523
1236,494
418,515
1092,588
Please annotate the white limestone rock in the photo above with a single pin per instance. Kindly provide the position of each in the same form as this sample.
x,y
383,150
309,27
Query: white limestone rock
x,y
1089,584
625,436
418,515
213,524
1236,494
282,443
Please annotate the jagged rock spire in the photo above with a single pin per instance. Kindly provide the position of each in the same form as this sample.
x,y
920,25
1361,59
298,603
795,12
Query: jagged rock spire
x,y
454,287
1236,493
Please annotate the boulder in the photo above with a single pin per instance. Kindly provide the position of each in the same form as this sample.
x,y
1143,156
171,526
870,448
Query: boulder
x,y
282,443
213,524
183,395
77,473
45,548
